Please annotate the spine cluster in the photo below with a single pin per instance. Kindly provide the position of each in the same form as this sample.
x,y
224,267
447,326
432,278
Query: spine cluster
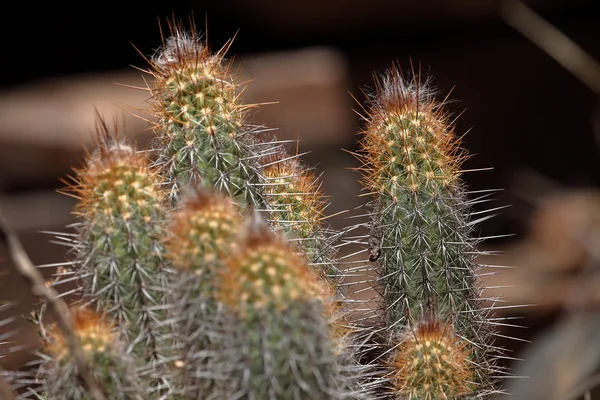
x,y
106,354
284,344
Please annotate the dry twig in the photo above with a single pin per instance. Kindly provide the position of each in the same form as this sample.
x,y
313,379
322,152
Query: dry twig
x,y
6,393
564,51
27,270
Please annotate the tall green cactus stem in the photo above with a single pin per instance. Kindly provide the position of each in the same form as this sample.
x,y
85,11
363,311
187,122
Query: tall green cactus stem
x,y
202,134
111,365
432,363
296,206
285,347
203,137
420,226
119,244
204,231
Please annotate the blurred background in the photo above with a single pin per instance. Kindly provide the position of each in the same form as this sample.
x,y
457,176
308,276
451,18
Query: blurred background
x,y
530,118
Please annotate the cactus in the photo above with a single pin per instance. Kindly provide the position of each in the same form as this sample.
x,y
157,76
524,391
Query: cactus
x,y
122,217
202,133
297,207
285,346
432,363
119,251
113,367
204,230
421,227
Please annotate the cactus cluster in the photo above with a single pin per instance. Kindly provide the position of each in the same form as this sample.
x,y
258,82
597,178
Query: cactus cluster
x,y
206,270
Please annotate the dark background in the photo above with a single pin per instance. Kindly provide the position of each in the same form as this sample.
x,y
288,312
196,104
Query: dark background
x,y
525,110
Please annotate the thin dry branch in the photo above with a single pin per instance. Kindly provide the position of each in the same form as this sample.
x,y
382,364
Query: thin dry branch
x,y
27,270
6,392
564,51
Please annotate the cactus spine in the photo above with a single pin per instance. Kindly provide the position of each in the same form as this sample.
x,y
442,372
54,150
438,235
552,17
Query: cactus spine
x,y
202,135
411,163
112,366
204,231
286,347
296,206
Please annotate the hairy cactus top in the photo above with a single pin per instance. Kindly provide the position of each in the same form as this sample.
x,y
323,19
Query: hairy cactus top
x,y
204,231
432,363
296,206
202,135
266,274
113,368
95,334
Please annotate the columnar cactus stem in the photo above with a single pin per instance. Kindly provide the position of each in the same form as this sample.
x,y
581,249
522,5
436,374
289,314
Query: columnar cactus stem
x,y
203,138
204,232
286,349
202,133
296,206
119,247
420,223
111,365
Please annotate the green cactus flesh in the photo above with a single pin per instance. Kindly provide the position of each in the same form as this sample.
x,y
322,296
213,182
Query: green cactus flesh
x,y
112,366
285,345
420,220
204,232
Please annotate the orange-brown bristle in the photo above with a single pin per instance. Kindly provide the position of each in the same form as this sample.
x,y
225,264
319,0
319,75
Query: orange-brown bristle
x,y
180,67
266,272
115,180
204,229
297,189
408,139
94,333
432,363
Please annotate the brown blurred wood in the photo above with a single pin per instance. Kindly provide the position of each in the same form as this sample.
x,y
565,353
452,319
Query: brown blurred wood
x,y
46,125
542,268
